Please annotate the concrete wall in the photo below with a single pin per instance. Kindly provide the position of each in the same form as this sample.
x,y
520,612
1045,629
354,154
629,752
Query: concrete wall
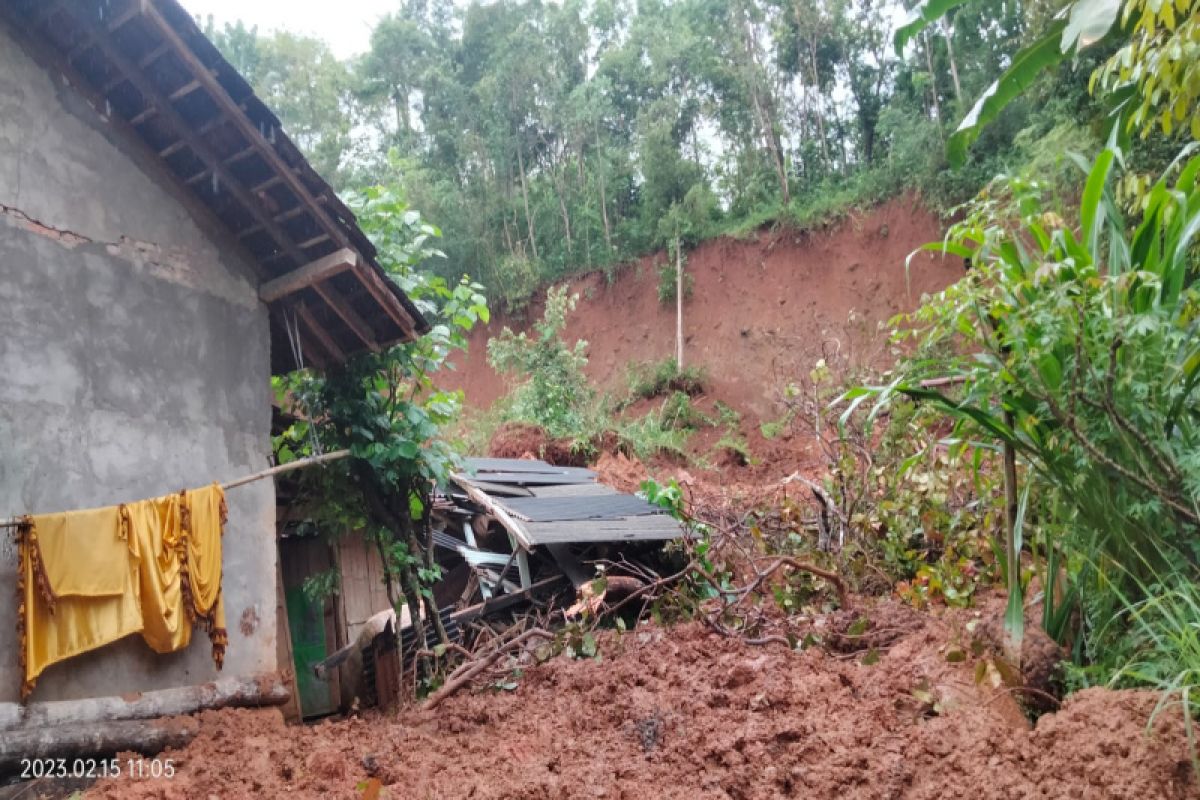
x,y
134,361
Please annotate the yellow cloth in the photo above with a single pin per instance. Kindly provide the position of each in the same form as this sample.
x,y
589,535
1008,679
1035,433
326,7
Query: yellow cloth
x,y
84,553
166,572
205,525
52,629
156,527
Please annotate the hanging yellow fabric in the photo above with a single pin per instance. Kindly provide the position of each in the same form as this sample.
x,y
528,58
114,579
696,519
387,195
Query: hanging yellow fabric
x,y
157,528
80,591
53,628
205,524
84,553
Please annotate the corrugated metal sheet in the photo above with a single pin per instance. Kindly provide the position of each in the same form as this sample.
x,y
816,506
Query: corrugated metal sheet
x,y
548,509
567,490
534,478
509,465
658,527
569,507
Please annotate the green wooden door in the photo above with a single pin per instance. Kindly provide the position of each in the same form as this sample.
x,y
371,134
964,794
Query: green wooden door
x,y
307,621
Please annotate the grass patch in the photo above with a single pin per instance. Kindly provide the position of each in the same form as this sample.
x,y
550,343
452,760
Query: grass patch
x,y
660,378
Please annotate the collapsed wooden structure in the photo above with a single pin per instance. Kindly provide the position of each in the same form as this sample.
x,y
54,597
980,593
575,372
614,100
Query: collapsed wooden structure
x,y
509,532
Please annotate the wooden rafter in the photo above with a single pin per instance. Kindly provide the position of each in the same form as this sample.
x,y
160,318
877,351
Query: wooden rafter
x,y
340,304
383,295
86,42
319,333
154,98
114,65
313,272
218,93
50,58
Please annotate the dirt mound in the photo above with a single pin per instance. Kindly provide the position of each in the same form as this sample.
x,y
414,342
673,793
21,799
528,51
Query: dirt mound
x,y
762,309
683,713
522,440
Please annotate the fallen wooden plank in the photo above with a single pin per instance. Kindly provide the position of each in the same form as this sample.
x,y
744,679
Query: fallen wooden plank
x,y
489,504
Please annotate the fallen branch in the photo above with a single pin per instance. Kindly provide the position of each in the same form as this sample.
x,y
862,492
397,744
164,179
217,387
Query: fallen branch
x,y
787,561
467,672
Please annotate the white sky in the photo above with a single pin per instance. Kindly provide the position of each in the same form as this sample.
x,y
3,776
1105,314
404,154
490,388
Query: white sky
x,y
345,25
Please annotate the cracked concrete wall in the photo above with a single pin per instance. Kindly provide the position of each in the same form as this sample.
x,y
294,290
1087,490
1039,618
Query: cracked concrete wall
x,y
134,361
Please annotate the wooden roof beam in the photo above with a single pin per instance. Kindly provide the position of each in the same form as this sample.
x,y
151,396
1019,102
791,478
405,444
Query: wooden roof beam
x,y
340,304
184,91
319,333
313,275
384,296
86,42
218,93
314,241
153,97
145,61
313,272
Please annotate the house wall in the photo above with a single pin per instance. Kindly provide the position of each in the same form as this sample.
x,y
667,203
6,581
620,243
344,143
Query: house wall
x,y
134,361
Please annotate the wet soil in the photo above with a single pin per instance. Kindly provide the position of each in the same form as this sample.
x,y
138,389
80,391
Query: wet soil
x,y
762,309
684,713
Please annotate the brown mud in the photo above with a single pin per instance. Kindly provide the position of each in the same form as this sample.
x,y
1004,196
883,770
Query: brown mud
x,y
685,713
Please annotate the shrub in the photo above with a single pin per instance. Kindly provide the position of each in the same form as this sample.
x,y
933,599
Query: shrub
x,y
655,380
551,389
1078,348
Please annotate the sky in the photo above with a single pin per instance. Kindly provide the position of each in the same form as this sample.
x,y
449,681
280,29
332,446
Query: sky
x,y
345,25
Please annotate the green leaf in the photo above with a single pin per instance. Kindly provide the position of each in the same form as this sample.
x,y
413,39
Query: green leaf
x,y
1025,68
1093,192
920,18
587,647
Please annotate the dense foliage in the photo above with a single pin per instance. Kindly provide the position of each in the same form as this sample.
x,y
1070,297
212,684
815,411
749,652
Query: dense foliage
x,y
385,409
1073,344
553,137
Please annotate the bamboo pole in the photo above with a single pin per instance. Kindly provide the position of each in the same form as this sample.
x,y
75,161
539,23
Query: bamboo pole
x,y
299,463
678,304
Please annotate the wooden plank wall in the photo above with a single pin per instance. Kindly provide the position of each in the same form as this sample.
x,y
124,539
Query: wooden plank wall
x,y
363,594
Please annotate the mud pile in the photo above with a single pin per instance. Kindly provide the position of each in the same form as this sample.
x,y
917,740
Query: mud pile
x,y
684,713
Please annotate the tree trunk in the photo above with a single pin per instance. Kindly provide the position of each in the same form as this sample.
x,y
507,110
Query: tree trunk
x,y
264,689
604,205
937,106
763,107
560,187
678,302
820,112
525,197
948,32
96,739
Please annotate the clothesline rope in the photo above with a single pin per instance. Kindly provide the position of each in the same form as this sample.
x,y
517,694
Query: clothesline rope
x,y
299,463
